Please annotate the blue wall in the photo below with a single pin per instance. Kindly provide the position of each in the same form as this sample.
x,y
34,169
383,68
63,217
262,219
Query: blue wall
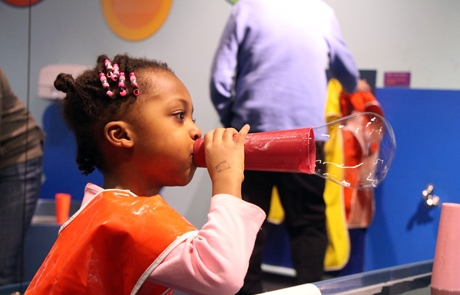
x,y
427,129
61,173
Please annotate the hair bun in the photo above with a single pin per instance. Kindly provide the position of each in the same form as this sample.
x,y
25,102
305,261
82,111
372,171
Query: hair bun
x,y
64,82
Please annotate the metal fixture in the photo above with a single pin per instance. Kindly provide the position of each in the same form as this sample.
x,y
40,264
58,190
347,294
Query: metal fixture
x,y
431,200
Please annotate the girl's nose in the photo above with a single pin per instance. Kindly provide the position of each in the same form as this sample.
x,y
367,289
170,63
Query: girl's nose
x,y
196,132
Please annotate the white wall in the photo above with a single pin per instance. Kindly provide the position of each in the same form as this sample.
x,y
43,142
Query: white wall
x,y
388,35
417,36
76,32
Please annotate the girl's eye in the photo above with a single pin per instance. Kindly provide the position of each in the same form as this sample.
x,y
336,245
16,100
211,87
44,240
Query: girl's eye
x,y
180,116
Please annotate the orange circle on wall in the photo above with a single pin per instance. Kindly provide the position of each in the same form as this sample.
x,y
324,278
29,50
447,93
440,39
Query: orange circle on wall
x,y
21,3
135,20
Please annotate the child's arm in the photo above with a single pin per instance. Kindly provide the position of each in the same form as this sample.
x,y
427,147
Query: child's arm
x,y
224,150
216,259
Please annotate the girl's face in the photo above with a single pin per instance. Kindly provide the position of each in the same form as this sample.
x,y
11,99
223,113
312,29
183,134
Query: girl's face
x,y
165,132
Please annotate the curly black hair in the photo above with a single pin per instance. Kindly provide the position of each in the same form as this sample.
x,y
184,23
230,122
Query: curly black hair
x,y
87,107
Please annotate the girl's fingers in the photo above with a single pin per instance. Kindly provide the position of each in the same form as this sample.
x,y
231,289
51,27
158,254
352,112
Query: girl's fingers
x,y
242,134
227,134
213,135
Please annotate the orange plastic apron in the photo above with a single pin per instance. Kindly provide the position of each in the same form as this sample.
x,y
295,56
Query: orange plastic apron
x,y
110,247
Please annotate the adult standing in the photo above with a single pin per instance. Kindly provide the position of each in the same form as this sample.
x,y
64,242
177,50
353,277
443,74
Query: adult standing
x,y
21,168
269,72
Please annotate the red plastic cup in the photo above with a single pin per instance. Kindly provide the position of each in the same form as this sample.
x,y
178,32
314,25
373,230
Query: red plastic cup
x,y
445,278
277,151
62,207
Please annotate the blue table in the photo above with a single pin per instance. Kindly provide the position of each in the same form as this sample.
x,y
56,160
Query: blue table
x,y
406,279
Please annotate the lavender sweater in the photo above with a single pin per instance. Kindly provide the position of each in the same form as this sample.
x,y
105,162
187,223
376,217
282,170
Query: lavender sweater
x,y
269,68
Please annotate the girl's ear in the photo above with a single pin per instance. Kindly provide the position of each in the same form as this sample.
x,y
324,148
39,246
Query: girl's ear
x,y
118,134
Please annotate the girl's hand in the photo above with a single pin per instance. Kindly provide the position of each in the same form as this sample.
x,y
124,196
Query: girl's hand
x,y
224,151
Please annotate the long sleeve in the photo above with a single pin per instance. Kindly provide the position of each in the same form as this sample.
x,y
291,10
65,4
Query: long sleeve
x,y
341,62
215,260
223,72
20,134
269,70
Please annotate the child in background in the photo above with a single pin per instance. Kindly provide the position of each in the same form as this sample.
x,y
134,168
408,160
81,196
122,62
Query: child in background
x,y
132,120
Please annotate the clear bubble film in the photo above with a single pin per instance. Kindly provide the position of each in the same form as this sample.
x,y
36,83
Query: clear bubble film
x,y
359,149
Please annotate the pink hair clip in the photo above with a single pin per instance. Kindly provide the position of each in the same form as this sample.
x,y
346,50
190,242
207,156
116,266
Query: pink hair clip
x,y
121,84
109,68
105,84
116,72
121,80
103,79
132,78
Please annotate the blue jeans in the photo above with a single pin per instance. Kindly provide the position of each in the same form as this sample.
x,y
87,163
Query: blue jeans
x,y
19,191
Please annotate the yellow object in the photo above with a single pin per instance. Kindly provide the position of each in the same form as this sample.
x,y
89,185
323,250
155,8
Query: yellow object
x,y
338,249
276,213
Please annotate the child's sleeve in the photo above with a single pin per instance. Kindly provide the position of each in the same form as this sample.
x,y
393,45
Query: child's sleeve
x,y
215,260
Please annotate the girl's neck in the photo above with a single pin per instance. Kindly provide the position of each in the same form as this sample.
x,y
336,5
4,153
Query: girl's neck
x,y
137,188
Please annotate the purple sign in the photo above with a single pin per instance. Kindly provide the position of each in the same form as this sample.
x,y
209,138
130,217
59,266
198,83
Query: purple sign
x,y
396,79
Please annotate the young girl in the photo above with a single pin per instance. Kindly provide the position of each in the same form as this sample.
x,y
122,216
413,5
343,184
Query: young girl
x,y
132,120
